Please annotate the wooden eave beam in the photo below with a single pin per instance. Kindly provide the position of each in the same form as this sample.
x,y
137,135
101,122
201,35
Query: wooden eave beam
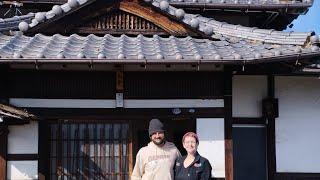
x,y
16,113
162,21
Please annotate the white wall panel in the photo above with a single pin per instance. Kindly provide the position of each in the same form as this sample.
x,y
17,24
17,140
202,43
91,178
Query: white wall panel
x,y
22,170
211,146
247,95
111,103
297,128
23,139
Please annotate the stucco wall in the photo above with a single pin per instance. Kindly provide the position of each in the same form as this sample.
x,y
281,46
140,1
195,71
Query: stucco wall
x,y
23,139
22,170
211,143
298,125
247,95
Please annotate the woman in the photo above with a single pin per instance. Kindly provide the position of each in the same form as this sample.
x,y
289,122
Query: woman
x,y
192,166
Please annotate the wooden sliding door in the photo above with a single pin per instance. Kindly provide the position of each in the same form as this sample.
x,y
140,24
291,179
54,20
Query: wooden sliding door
x,y
90,150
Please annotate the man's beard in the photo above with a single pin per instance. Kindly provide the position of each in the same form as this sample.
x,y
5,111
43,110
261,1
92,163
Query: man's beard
x,y
158,141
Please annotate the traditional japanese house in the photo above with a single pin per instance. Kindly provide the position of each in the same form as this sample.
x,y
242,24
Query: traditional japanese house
x,y
80,81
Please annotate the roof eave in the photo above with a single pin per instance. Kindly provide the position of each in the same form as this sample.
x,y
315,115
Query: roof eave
x,y
240,6
14,112
282,58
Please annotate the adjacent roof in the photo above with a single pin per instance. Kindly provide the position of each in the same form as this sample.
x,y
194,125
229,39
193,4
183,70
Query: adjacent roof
x,y
10,111
207,26
227,4
58,48
13,22
247,4
211,27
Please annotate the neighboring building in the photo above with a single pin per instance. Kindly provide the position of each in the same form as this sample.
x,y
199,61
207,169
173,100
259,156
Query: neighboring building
x,y
80,82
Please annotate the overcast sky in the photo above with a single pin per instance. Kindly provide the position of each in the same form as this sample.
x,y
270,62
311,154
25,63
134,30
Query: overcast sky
x,y
309,21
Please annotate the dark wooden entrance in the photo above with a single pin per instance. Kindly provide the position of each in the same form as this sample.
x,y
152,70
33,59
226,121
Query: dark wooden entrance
x,y
249,152
90,150
175,129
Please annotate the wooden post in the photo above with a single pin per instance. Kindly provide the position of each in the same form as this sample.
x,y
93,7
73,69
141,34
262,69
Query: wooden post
x,y
3,150
228,124
271,148
44,151
119,89
119,81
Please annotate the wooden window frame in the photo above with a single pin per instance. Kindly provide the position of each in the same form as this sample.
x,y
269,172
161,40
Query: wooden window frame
x,y
88,123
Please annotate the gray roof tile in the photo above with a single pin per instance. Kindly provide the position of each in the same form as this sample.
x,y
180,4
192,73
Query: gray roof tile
x,y
13,22
139,48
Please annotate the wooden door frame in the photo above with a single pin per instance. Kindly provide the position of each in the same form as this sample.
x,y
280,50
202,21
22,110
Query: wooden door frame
x,y
3,150
44,153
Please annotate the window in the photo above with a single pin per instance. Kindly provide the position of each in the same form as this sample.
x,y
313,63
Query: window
x,y
90,150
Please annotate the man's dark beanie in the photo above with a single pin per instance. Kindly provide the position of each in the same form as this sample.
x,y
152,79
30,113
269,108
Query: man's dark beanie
x,y
155,125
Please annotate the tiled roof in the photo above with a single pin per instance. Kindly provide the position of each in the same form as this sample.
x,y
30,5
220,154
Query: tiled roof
x,y
211,27
249,4
56,12
141,49
13,22
208,26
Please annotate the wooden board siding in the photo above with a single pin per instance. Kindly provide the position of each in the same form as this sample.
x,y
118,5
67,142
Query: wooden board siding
x,y
63,85
102,85
167,85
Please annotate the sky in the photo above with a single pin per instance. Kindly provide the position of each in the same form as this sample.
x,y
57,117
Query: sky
x,y
309,21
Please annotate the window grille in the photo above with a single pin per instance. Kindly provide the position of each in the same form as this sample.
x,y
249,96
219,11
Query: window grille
x,y
90,151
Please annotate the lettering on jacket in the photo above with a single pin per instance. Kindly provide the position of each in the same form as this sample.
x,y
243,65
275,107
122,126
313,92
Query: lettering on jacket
x,y
158,157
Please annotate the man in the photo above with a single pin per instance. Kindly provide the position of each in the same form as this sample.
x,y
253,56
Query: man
x,y
156,160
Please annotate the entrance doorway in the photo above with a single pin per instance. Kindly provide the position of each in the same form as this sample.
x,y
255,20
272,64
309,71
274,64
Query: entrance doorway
x,y
90,150
249,151
104,149
175,129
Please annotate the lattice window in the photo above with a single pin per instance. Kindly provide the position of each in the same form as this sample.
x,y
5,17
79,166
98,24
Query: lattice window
x,y
120,22
90,151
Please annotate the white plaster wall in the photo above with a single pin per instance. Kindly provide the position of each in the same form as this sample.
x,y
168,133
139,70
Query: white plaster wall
x,y
247,95
298,125
23,139
211,143
22,170
111,103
